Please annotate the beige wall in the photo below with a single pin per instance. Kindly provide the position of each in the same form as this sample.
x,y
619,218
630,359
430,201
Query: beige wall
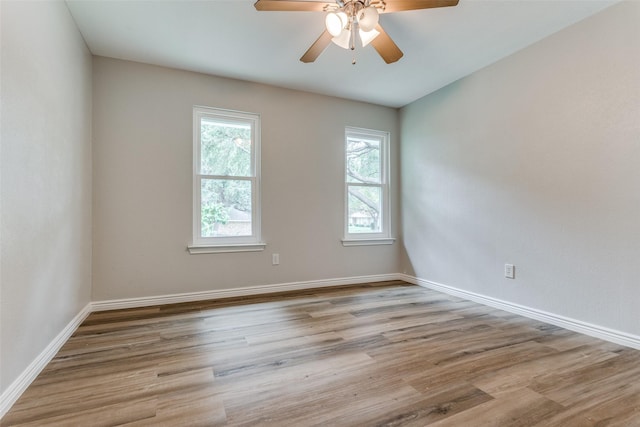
x,y
45,275
142,123
535,161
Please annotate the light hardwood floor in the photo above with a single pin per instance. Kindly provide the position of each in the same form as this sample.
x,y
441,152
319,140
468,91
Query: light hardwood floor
x,y
382,354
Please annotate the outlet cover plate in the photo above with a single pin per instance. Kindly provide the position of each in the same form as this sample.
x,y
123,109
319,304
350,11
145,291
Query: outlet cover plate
x,y
510,271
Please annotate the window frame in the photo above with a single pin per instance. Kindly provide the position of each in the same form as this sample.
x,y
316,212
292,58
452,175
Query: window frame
x,y
253,242
383,237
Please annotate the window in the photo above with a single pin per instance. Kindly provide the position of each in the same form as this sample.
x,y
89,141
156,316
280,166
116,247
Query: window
x,y
226,181
367,219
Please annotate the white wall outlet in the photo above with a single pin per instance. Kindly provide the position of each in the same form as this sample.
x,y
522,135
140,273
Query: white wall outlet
x,y
275,259
510,271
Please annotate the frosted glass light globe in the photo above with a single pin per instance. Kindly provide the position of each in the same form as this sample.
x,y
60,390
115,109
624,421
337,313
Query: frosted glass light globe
x,y
368,18
335,22
343,39
367,37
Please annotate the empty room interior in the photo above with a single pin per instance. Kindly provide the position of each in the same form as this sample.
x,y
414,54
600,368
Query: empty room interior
x,y
362,212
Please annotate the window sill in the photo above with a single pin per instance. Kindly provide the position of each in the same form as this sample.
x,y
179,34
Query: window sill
x,y
368,242
216,249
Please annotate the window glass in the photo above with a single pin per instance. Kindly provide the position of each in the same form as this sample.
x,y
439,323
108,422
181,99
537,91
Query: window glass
x,y
226,207
363,160
225,148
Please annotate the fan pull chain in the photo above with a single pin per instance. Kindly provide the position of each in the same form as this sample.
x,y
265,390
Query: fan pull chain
x,y
353,44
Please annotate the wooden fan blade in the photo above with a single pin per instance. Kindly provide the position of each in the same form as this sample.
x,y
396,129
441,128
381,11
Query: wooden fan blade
x,y
400,5
387,49
317,47
293,6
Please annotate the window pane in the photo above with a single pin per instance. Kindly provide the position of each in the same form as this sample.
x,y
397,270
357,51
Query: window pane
x,y
365,209
363,160
225,207
225,148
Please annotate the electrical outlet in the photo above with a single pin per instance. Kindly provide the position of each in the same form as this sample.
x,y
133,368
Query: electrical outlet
x,y
275,259
510,271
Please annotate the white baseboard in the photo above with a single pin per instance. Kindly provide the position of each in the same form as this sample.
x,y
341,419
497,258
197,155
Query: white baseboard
x,y
15,390
601,332
236,292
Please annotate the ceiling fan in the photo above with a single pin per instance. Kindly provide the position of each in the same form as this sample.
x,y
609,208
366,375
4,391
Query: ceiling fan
x,y
346,18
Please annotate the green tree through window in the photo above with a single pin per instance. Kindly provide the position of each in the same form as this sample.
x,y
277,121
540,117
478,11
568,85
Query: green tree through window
x,y
225,152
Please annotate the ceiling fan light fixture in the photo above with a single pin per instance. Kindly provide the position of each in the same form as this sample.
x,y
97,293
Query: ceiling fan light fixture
x,y
367,37
336,22
368,18
346,16
343,39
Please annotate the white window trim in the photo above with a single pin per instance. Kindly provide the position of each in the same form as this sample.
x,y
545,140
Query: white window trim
x,y
204,245
383,237
216,249
368,242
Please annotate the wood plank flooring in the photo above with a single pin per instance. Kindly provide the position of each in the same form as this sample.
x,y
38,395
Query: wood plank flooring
x,y
381,354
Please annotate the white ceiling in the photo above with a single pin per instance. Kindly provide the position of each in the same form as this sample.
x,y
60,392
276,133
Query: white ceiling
x,y
230,38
